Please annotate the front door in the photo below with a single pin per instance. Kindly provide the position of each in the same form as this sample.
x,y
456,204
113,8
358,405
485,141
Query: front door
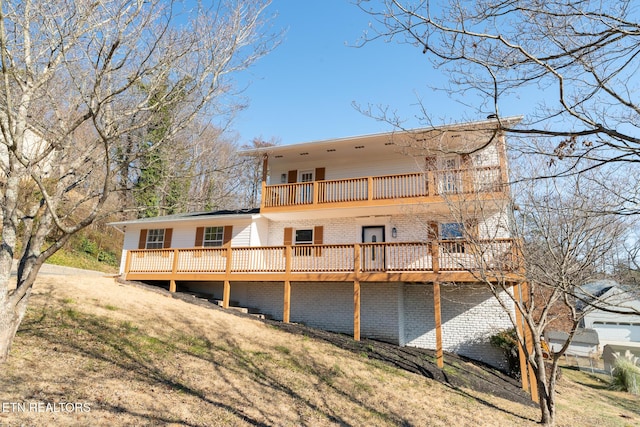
x,y
450,175
373,254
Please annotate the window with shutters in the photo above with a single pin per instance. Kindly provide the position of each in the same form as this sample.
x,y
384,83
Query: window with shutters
x,y
303,237
155,239
213,236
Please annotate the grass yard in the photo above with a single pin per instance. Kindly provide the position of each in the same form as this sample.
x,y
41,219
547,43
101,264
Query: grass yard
x,y
124,355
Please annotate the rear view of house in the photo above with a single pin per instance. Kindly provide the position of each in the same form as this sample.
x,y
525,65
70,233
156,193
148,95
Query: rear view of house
x,y
355,235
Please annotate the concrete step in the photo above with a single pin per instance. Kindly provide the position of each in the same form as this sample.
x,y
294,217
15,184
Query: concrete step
x,y
233,305
239,309
262,316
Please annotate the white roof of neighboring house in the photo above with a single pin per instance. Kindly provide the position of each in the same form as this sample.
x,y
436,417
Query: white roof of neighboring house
x,y
582,336
222,215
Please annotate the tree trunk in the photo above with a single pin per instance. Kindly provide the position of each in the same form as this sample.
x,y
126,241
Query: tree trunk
x,y
10,318
546,394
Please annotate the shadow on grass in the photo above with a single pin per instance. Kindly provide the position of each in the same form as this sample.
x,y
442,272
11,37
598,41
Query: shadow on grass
x,y
459,372
119,344
124,346
598,384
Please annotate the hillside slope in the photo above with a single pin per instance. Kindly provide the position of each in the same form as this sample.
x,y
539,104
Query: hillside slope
x,y
124,355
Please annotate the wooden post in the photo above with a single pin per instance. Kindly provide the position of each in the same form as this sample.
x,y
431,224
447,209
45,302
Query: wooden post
x,y
521,355
286,315
437,312
356,310
287,302
174,270
370,188
356,292
528,337
529,382
127,265
226,292
315,192
435,256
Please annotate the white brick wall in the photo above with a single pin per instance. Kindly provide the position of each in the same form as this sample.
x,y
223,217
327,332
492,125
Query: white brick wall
x,y
400,313
323,305
470,314
412,226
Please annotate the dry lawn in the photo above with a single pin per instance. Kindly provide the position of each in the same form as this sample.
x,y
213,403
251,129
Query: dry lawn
x,y
135,357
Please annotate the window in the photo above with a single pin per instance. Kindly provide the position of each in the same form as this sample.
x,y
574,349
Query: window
x,y
303,237
155,238
450,232
450,175
306,190
213,236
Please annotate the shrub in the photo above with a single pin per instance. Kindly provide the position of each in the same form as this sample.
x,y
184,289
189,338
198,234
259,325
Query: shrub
x,y
108,257
507,341
626,373
88,246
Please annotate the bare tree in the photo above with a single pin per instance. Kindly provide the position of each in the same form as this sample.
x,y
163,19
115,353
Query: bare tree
x,y
563,237
76,88
252,174
216,171
573,61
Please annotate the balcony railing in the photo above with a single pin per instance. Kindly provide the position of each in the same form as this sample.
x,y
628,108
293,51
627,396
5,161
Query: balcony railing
x,y
442,256
423,184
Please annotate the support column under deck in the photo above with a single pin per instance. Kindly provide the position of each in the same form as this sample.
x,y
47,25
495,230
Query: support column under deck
x,y
287,302
356,310
438,324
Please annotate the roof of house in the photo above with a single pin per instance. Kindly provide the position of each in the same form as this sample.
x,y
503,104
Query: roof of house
x,y
385,138
582,336
604,292
238,213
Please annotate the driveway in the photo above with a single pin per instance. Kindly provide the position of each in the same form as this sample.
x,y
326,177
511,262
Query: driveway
x,y
58,270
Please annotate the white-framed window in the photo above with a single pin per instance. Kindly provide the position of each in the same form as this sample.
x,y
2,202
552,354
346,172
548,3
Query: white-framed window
x,y
450,232
303,236
213,236
155,238
306,176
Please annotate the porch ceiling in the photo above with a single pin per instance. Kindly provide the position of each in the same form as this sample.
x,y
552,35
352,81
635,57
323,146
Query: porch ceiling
x,y
440,210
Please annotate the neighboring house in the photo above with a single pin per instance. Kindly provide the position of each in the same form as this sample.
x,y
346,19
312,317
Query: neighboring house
x,y
585,342
35,152
353,235
621,326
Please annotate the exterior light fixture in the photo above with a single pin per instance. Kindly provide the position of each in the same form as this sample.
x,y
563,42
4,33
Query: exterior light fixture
x,y
394,232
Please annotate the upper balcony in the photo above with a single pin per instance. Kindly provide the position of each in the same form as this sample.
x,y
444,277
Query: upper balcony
x,y
434,186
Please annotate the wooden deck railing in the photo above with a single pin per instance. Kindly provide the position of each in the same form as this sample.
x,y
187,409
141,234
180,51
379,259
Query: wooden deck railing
x,y
423,184
442,256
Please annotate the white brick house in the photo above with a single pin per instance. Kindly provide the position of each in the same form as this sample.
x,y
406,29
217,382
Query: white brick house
x,y
356,235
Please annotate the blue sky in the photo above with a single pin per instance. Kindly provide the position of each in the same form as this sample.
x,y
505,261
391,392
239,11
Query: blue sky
x,y
304,90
